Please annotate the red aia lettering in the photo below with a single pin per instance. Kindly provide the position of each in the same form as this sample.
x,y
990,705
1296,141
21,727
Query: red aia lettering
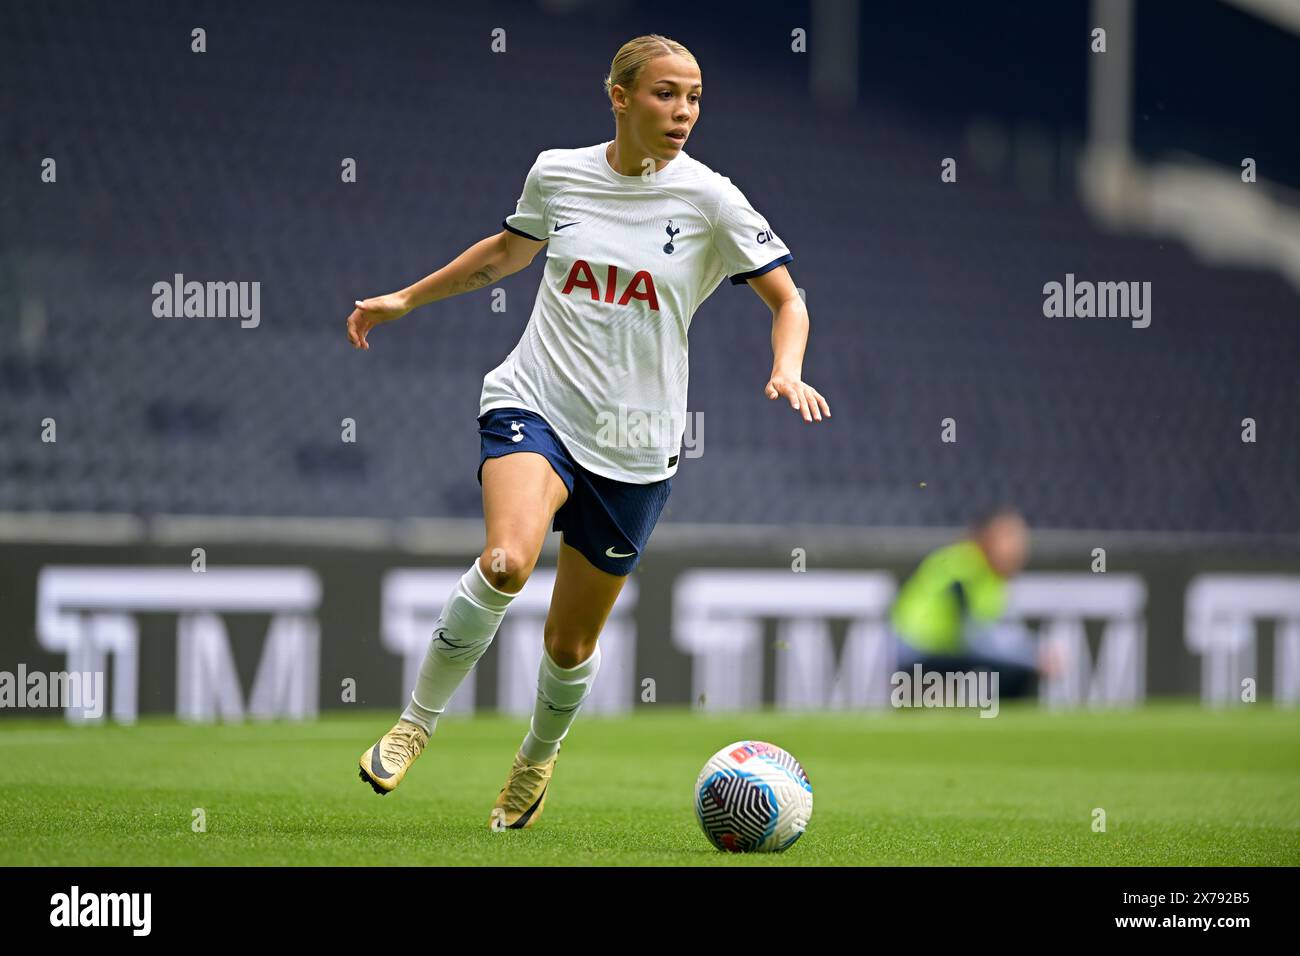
x,y
642,285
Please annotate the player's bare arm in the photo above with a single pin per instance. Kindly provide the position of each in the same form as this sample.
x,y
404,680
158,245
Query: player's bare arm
x,y
480,265
789,338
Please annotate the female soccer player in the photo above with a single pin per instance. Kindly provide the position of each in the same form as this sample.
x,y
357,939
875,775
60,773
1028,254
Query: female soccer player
x,y
582,423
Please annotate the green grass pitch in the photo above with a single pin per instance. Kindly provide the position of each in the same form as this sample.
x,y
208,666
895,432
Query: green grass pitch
x,y
1179,785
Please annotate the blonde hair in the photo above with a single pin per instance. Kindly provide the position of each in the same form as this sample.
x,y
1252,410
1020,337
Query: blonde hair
x,y
632,58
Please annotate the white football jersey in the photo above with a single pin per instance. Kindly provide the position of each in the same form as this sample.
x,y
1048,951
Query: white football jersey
x,y
628,261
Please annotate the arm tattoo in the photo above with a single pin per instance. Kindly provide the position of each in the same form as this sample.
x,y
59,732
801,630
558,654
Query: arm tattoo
x,y
478,280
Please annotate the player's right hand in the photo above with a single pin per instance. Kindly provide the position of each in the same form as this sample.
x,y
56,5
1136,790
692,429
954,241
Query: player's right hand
x,y
1051,660
371,312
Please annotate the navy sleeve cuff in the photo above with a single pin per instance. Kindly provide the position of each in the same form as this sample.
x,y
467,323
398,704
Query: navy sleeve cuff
x,y
746,276
520,232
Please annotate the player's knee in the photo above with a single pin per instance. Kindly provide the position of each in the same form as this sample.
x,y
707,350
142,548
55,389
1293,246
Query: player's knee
x,y
568,649
507,566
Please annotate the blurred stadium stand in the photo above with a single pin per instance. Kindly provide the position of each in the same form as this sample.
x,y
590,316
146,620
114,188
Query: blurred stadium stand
x,y
925,298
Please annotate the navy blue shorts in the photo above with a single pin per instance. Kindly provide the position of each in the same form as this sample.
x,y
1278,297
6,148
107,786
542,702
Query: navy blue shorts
x,y
607,521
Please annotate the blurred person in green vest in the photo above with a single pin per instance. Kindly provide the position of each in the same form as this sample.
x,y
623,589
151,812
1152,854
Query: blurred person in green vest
x,y
946,613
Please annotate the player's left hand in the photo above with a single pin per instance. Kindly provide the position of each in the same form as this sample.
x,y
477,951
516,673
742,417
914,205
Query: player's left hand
x,y
803,397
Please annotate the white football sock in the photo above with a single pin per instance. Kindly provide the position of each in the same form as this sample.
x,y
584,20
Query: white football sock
x,y
461,635
560,692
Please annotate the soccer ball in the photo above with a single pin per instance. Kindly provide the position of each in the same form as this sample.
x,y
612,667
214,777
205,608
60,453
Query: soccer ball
x,y
753,797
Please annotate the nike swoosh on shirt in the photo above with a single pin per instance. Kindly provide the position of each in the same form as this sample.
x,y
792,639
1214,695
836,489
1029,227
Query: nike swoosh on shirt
x,y
558,227
610,553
